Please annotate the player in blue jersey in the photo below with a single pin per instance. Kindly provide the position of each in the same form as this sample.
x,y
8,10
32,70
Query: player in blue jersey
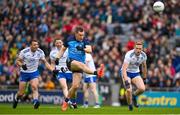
x,y
28,61
64,76
77,46
131,73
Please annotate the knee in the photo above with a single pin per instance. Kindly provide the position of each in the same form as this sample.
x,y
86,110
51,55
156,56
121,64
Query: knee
x,y
34,87
142,89
75,87
64,87
93,89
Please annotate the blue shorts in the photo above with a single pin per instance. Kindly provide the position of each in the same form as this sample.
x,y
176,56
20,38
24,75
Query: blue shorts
x,y
131,75
28,76
67,76
90,79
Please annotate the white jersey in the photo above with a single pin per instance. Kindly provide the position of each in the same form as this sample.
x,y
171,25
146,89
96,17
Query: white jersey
x,y
62,60
134,61
31,59
90,63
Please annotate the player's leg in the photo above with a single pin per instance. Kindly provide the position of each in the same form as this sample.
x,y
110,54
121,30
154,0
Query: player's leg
x,y
94,90
26,96
63,78
76,66
138,82
129,95
72,91
64,87
20,93
34,85
86,94
73,98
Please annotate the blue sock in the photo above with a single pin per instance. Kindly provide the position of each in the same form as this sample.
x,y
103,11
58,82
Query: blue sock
x,y
134,96
96,103
130,107
35,101
73,100
86,102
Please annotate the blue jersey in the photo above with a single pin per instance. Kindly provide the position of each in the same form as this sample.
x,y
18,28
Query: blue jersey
x,y
71,43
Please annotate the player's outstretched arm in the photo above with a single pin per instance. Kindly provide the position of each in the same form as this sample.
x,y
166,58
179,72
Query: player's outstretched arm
x,y
60,54
53,69
47,64
124,74
19,62
53,63
144,70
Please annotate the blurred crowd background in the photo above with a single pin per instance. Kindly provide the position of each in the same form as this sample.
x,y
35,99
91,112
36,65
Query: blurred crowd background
x,y
111,25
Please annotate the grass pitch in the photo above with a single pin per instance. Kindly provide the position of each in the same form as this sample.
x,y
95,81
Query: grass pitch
x,y
25,109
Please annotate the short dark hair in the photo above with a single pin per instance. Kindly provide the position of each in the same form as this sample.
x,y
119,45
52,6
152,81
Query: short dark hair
x,y
56,40
34,40
78,29
139,42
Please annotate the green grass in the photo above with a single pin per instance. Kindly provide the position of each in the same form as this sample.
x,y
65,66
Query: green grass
x,y
55,109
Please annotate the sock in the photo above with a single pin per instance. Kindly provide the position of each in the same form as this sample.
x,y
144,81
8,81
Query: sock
x,y
134,96
86,103
130,105
35,101
73,100
96,103
17,97
67,100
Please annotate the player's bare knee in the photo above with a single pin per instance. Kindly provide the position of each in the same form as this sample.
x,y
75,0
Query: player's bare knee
x,y
63,87
75,86
34,87
82,66
142,89
93,89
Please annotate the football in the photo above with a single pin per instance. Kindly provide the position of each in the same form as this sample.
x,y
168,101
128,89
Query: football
x,y
158,6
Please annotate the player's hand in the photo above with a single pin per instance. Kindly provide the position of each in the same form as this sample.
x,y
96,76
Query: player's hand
x,y
57,61
80,48
55,72
24,67
145,80
127,84
63,69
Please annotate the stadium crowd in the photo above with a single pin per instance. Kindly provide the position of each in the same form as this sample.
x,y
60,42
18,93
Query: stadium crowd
x,y
111,25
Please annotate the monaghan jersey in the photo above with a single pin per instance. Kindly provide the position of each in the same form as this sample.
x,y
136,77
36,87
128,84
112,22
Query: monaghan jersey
x,y
90,63
31,59
62,61
134,61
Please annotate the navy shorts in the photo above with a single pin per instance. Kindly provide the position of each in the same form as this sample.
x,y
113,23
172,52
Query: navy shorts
x,y
90,79
131,75
68,63
67,76
28,76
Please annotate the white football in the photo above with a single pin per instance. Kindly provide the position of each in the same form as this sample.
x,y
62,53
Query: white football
x,y
158,6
